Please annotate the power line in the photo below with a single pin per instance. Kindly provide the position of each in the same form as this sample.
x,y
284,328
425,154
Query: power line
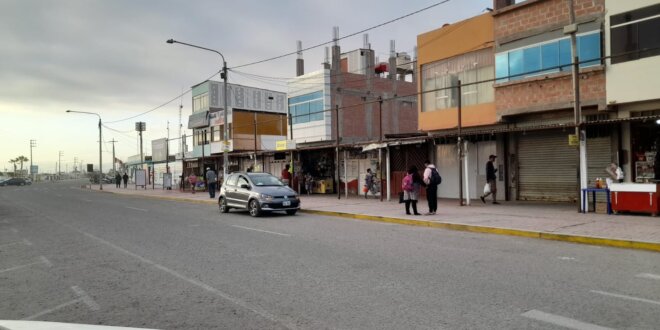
x,y
344,37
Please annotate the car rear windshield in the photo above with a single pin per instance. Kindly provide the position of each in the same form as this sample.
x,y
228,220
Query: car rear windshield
x,y
265,180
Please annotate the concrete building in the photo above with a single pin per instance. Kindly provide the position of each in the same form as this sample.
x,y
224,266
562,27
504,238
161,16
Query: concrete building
x,y
534,96
461,51
632,46
374,101
256,121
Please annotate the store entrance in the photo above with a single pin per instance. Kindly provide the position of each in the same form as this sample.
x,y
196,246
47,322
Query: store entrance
x,y
645,140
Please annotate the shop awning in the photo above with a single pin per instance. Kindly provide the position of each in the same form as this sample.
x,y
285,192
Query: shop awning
x,y
374,146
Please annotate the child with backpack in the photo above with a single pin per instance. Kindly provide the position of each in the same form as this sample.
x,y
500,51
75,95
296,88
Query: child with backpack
x,y
410,185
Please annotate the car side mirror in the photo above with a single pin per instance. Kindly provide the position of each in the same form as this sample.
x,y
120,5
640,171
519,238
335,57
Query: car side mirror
x,y
245,186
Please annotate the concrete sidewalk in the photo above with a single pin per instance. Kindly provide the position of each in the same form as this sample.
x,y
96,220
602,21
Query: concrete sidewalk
x,y
554,221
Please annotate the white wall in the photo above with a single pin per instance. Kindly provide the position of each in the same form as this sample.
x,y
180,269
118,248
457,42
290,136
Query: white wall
x,y
447,164
318,130
630,81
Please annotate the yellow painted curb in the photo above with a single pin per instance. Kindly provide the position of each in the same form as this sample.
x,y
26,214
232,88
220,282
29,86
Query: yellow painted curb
x,y
618,243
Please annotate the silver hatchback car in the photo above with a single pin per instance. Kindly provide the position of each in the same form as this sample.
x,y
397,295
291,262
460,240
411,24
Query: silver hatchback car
x,y
257,192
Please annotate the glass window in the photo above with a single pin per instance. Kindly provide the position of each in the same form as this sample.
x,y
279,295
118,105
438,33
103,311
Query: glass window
x,y
502,66
516,68
265,180
532,60
649,37
306,108
589,49
565,55
232,180
242,180
550,56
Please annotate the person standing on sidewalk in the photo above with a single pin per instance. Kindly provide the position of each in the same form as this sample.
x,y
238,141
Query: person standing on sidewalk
x,y
286,175
118,180
369,183
192,179
410,185
491,179
432,180
125,177
212,180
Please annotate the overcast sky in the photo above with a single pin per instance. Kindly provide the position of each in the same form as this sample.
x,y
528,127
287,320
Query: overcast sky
x,y
110,57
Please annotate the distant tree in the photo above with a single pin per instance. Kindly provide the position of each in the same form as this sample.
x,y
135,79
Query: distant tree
x,y
21,159
14,161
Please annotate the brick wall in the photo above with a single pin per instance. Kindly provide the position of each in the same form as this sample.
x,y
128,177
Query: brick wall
x,y
534,14
360,124
553,91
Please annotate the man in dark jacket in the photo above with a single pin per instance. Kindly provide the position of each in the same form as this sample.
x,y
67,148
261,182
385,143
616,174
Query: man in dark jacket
x,y
491,178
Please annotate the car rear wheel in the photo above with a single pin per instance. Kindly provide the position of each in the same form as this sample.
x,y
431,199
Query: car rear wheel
x,y
291,212
254,209
222,204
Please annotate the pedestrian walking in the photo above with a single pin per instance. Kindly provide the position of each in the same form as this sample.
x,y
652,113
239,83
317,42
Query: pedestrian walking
x,y
118,180
309,181
411,184
125,177
432,179
491,180
286,175
369,184
211,181
192,179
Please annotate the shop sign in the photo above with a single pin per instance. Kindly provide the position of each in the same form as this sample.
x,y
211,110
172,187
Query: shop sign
x,y
285,145
573,140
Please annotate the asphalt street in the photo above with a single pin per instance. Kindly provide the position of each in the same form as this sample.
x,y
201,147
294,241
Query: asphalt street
x,y
73,255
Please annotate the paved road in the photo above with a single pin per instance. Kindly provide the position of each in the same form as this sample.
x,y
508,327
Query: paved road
x,y
71,255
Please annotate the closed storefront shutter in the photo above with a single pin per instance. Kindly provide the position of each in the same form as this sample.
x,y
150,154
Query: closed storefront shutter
x,y
547,167
599,156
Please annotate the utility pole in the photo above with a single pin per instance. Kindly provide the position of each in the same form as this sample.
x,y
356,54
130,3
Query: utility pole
x,y
59,170
255,141
114,169
579,131
380,141
337,149
460,145
33,143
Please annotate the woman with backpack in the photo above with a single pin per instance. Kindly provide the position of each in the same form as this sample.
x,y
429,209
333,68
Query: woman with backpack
x,y
411,184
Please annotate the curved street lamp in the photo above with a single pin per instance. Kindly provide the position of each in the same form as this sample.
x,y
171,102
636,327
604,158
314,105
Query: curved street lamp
x,y
100,141
225,143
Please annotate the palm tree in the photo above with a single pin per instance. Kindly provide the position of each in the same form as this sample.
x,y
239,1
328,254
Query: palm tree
x,y
21,159
14,161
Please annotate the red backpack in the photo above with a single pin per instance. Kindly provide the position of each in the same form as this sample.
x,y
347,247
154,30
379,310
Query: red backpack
x,y
407,183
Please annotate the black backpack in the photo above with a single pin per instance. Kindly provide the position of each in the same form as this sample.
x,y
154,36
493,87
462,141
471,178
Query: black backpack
x,y
435,179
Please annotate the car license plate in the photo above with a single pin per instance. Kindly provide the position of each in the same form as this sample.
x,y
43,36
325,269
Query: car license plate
x,y
286,203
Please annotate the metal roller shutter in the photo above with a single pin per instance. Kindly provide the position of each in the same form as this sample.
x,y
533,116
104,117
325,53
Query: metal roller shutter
x,y
599,156
547,167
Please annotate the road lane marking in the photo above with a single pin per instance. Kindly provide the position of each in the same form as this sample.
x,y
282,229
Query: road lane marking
x,y
566,258
60,195
26,242
648,276
14,230
5,221
82,297
84,200
623,296
50,310
85,298
235,300
263,231
255,309
137,209
42,259
561,321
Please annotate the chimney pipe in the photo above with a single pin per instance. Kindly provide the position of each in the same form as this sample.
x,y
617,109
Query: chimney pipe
x,y
392,66
336,52
300,63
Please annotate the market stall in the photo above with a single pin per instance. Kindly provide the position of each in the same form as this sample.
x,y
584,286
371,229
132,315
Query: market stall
x,y
635,197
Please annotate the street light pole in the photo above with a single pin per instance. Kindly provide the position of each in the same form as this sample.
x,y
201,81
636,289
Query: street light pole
x,y
100,144
33,143
224,74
